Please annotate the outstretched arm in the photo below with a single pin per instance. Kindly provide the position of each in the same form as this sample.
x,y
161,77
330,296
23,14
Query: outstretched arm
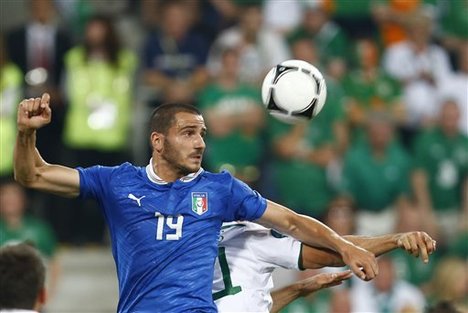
x,y
288,294
30,169
415,243
314,233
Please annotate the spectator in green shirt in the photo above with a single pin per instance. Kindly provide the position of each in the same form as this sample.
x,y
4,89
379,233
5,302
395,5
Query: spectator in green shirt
x,y
235,117
17,226
440,171
329,38
305,155
369,88
376,175
454,24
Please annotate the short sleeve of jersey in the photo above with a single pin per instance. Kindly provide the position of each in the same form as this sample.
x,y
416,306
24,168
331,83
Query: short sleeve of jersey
x,y
94,181
277,250
245,203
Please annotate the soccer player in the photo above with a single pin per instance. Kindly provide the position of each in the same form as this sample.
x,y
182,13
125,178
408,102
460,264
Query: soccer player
x,y
165,218
248,254
22,279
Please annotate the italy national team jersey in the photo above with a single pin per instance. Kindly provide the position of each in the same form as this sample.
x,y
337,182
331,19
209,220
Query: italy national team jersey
x,y
165,235
248,254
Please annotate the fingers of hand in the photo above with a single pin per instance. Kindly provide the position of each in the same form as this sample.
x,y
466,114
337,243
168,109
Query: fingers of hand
x,y
334,283
430,243
358,271
338,277
414,245
28,105
375,266
405,244
31,106
45,100
369,270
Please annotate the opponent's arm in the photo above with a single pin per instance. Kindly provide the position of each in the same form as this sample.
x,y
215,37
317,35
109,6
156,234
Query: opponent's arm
x,y
314,233
288,294
29,168
415,243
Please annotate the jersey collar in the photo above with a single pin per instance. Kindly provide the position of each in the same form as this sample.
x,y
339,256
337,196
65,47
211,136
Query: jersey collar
x,y
158,180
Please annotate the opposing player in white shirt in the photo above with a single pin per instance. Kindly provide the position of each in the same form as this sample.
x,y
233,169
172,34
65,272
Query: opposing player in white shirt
x,y
249,253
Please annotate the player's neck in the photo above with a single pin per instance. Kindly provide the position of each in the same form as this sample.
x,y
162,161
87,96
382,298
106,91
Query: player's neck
x,y
165,171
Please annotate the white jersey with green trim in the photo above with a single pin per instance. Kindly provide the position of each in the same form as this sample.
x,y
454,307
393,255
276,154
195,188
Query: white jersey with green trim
x,y
248,253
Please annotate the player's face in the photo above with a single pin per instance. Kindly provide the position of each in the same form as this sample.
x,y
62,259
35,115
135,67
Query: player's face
x,y
184,144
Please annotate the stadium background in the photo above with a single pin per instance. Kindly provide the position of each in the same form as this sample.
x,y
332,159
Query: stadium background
x,y
376,153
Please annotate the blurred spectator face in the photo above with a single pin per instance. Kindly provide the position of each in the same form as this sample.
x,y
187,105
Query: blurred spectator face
x,y
367,54
304,49
336,68
340,301
384,281
419,28
12,201
251,20
176,20
340,217
380,133
230,63
450,280
314,19
42,10
449,117
409,219
96,33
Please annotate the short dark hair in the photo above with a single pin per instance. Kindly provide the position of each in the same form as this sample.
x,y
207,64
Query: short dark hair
x,y
22,276
163,116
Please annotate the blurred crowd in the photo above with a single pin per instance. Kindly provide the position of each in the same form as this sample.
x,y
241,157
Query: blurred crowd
x,y
388,153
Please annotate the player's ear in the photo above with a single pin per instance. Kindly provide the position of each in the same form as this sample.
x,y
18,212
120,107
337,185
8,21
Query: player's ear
x,y
157,141
41,299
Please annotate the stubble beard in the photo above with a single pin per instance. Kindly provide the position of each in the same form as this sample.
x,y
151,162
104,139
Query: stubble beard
x,y
174,159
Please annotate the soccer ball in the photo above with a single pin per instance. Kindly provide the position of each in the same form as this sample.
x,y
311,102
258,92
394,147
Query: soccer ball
x,y
294,90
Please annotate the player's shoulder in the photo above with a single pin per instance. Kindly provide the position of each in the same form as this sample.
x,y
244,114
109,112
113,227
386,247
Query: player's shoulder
x,y
223,178
115,172
126,167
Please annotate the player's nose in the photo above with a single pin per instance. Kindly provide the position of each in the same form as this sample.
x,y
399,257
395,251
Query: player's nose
x,y
199,142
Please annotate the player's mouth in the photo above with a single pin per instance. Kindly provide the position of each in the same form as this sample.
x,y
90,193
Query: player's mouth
x,y
196,157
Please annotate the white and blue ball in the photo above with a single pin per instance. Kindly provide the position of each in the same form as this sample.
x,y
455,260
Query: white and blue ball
x,y
294,90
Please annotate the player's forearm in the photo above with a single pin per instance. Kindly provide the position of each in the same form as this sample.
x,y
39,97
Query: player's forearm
x,y
284,296
377,245
27,160
33,172
304,228
318,257
314,233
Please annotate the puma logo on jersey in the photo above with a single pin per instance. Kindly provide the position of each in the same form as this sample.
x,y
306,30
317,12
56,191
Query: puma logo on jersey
x,y
134,198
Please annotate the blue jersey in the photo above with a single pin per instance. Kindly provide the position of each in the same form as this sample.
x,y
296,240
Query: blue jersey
x,y
165,235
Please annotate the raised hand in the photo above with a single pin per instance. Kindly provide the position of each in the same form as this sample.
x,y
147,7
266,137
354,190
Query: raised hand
x,y
34,113
323,280
417,243
362,262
